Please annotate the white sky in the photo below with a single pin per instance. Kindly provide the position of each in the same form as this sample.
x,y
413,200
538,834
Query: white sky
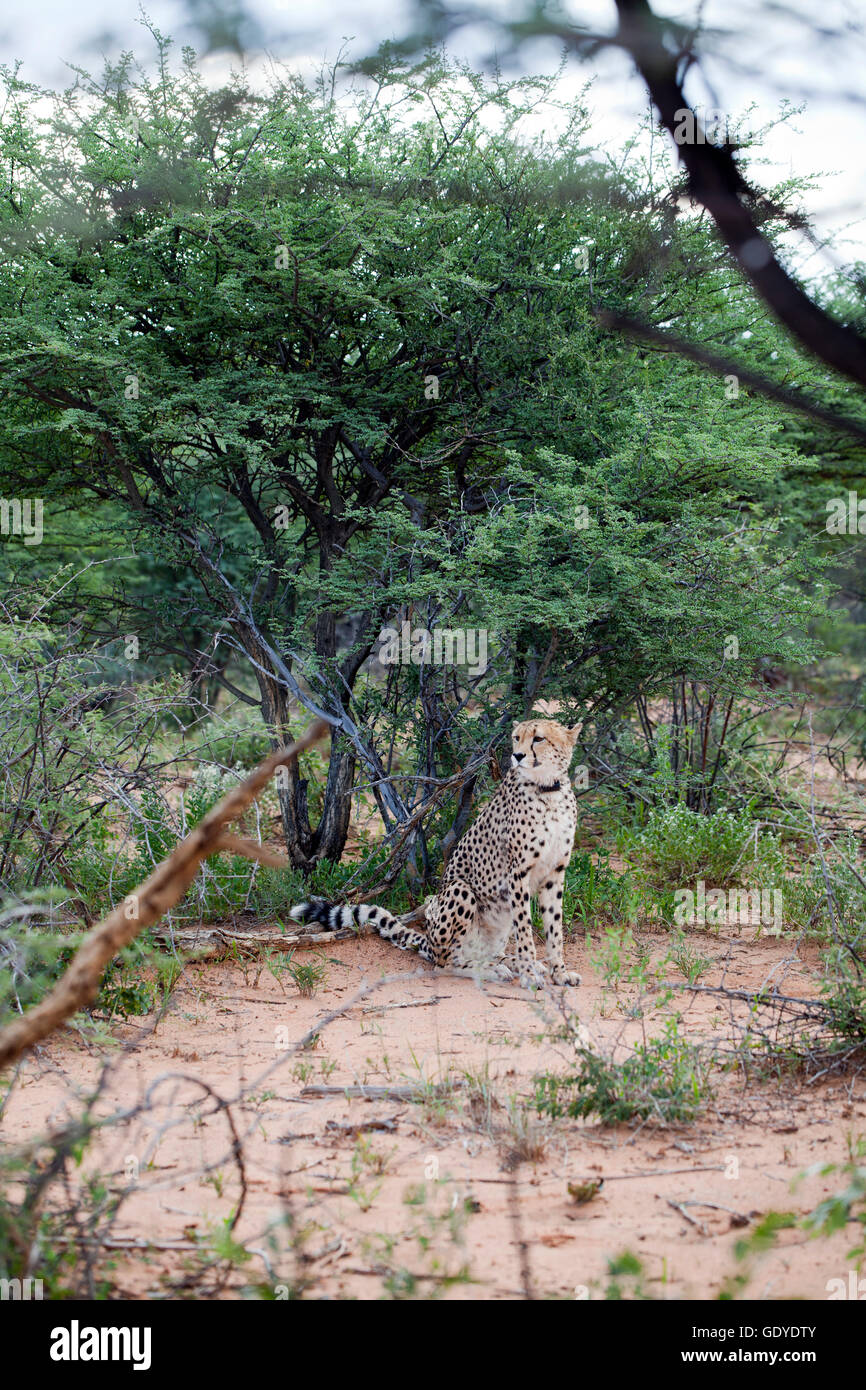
x,y
765,52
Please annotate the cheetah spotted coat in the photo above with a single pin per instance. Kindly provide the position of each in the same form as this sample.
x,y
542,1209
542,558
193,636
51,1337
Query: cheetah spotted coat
x,y
517,848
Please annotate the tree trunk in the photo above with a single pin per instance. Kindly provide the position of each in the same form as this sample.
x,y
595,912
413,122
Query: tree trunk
x,y
291,787
329,837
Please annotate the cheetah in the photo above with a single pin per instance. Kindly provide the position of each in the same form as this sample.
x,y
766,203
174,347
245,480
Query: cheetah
x,y
517,848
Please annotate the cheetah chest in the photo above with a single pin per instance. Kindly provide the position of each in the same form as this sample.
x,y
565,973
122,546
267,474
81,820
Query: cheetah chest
x,y
543,836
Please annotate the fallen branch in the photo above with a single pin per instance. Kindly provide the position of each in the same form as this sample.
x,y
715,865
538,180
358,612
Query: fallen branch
x,y
79,985
389,1123
209,941
124,1243
760,998
738,1218
380,1092
665,1172
406,1004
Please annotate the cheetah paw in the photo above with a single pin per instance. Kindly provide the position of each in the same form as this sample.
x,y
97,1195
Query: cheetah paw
x,y
532,976
560,976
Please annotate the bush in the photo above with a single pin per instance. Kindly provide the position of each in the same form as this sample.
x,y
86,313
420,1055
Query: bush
x,y
30,961
664,1079
677,845
237,741
808,897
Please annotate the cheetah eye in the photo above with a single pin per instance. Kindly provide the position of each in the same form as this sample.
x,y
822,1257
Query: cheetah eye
x,y
539,738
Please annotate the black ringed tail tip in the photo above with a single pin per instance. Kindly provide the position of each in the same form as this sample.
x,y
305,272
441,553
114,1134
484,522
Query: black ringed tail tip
x,y
345,916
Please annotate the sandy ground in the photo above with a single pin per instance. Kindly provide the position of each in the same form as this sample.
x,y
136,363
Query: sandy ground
x,y
398,1196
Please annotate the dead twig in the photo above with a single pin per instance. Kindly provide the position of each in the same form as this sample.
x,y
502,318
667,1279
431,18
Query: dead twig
x,y
678,1206
407,1004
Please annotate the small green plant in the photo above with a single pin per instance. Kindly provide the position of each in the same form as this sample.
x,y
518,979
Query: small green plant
x,y
828,895
593,893
760,1239
846,1206
663,1079
690,963
435,1223
308,975
216,1180
366,1161
619,959
123,993
625,1278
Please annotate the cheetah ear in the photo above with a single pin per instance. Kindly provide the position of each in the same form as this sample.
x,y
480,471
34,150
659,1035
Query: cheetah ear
x,y
574,733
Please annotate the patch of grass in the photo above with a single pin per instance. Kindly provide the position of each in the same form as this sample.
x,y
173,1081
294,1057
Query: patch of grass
x,y
308,975
625,1278
817,903
618,959
523,1139
593,893
481,1102
689,962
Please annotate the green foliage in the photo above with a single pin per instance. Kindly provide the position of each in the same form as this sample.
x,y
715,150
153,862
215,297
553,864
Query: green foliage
x,y
69,747
124,992
594,893
847,1206
618,959
30,960
664,1079
828,895
690,963
762,1237
139,980
676,845
843,987
626,1278
236,742
308,975
315,353
49,1210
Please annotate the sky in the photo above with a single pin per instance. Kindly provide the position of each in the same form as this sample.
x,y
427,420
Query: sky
x,y
760,54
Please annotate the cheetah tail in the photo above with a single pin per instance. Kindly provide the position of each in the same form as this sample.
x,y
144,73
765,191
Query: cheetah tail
x,y
339,917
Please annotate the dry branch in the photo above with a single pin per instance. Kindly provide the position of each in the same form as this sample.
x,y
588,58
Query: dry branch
x,y
715,181
212,940
382,1092
167,884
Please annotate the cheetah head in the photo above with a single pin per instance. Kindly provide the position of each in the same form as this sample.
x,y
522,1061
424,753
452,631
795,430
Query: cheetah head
x,y
541,750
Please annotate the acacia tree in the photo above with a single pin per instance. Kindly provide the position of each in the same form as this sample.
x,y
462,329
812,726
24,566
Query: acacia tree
x,y
341,355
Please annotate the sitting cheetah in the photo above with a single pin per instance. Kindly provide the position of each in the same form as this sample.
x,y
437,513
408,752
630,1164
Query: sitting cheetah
x,y
519,847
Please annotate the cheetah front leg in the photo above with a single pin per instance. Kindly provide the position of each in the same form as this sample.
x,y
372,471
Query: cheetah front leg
x,y
521,959
550,905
